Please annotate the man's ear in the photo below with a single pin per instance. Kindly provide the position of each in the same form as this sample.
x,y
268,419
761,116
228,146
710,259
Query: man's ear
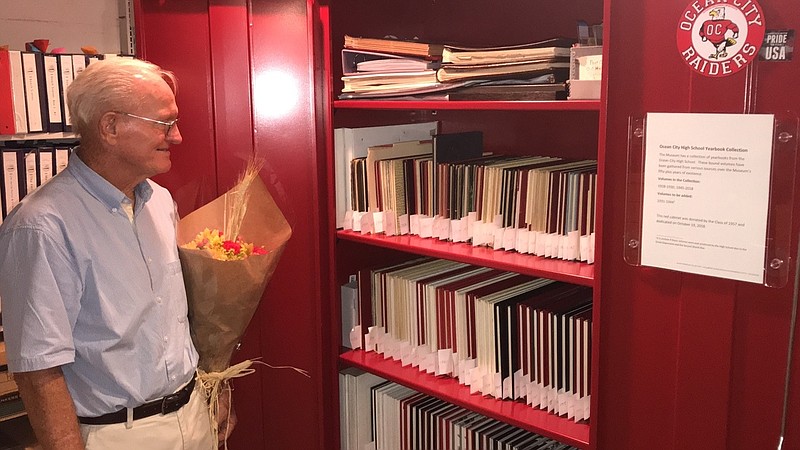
x,y
108,127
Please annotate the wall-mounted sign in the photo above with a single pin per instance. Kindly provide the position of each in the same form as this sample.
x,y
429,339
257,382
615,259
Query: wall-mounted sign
x,y
706,193
719,38
778,46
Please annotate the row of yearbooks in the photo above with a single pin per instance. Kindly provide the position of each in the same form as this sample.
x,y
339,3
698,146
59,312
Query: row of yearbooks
x,y
26,168
376,413
33,87
504,335
387,67
444,186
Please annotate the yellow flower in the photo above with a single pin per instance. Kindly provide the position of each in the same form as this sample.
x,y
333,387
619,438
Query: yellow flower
x,y
222,248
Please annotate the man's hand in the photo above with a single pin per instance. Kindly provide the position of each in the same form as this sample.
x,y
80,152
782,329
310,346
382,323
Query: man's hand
x,y
226,416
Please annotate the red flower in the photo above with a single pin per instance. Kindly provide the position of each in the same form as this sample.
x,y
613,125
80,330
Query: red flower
x,y
230,245
257,250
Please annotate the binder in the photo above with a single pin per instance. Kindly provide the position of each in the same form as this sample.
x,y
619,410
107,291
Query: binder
x,y
61,158
7,122
66,75
79,63
12,94
35,96
52,76
28,170
10,186
46,164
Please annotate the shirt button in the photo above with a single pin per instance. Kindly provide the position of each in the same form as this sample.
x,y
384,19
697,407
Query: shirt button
x,y
158,300
173,377
149,259
113,210
166,339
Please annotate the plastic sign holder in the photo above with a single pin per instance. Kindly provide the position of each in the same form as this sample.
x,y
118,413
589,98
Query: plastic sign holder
x,y
778,261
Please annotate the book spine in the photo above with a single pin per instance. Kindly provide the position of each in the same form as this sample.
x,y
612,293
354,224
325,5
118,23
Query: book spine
x,y
7,121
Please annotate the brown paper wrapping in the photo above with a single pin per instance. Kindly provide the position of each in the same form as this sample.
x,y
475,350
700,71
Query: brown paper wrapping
x,y
223,295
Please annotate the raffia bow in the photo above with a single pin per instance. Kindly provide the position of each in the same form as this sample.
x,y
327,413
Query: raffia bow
x,y
213,383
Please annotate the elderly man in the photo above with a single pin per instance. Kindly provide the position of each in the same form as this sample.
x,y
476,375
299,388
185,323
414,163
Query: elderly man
x,y
94,305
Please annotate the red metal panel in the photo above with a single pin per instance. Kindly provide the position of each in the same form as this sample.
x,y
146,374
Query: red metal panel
x,y
685,361
703,363
175,35
285,134
209,51
230,78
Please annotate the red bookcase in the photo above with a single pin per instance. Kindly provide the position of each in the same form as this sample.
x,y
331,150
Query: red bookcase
x,y
554,128
679,360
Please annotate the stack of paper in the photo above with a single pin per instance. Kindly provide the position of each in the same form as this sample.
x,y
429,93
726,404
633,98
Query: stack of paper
x,y
377,67
506,62
417,48
389,67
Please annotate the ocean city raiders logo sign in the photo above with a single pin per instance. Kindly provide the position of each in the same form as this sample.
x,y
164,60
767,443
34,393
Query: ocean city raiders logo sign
x,y
718,38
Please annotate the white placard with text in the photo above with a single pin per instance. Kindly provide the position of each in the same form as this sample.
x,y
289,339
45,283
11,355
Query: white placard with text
x,y
706,193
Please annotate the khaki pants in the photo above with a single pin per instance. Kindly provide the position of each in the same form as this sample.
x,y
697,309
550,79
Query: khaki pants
x,y
186,429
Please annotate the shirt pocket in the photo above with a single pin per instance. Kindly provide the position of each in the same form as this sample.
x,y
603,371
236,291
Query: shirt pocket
x,y
174,289
174,268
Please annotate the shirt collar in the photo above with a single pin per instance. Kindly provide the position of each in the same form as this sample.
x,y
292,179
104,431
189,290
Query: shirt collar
x,y
101,189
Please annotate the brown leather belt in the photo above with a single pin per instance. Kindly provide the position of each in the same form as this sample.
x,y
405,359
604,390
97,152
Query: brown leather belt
x,y
165,405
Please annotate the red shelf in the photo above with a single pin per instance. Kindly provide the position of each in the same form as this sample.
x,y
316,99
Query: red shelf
x,y
555,105
448,389
555,269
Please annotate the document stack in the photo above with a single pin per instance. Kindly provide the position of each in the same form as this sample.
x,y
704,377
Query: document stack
x,y
532,71
373,67
388,67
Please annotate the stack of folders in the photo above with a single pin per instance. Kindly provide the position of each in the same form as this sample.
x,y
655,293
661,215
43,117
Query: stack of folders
x,y
376,67
530,71
33,87
501,334
388,67
389,416
26,168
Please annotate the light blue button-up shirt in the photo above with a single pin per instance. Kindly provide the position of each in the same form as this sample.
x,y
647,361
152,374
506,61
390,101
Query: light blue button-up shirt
x,y
85,288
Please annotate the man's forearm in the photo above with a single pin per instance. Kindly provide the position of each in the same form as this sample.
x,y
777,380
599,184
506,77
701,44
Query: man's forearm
x,y
50,409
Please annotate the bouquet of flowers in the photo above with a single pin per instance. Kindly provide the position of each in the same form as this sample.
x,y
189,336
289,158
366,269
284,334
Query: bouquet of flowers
x,y
229,250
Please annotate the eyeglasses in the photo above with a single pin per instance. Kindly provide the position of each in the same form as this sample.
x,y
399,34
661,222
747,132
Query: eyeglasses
x,y
170,124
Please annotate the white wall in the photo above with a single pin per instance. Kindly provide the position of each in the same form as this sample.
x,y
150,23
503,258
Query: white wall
x,y
67,23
